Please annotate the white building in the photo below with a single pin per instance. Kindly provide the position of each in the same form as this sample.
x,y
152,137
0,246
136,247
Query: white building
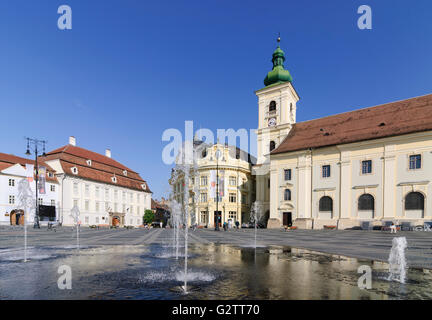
x,y
12,171
105,191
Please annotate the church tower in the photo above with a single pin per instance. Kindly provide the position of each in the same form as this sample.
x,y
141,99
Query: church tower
x,y
277,106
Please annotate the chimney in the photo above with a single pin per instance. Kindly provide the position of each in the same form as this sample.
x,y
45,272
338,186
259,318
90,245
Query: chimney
x,y
108,153
72,141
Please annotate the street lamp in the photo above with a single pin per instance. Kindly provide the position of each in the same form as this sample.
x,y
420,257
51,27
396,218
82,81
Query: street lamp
x,y
217,155
35,143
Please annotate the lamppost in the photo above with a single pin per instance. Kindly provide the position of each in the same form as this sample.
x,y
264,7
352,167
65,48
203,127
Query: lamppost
x,y
217,155
35,143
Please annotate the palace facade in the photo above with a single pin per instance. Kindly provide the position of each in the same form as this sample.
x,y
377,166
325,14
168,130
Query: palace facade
x,y
235,189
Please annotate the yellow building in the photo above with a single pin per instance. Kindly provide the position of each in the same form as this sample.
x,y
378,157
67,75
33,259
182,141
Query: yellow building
x,y
236,186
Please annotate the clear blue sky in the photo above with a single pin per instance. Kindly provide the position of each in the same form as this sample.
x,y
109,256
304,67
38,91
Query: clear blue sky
x,y
130,69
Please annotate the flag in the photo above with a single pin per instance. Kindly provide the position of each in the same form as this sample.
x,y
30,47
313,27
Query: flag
x,y
213,184
29,172
41,180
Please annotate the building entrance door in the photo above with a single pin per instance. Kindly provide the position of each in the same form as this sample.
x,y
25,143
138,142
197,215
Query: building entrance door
x,y
287,219
218,218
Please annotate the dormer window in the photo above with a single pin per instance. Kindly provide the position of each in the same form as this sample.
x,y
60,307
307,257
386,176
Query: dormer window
x,y
50,174
125,172
272,106
114,179
74,170
89,162
144,186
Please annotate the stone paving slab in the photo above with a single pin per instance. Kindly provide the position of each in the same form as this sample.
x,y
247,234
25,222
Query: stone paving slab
x,y
373,245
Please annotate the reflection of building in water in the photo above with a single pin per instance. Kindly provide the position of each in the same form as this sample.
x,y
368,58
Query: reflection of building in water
x,y
235,185
12,171
368,165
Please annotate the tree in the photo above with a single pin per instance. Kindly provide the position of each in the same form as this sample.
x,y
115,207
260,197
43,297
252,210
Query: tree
x,y
148,216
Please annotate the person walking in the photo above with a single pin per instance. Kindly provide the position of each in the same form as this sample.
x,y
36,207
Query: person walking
x,y
237,224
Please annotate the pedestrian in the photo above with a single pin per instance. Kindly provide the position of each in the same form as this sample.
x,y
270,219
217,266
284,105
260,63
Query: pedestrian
x,y
237,224
393,228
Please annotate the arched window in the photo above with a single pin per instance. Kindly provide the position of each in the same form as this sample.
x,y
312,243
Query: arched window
x,y
414,201
287,195
272,145
326,204
366,203
272,106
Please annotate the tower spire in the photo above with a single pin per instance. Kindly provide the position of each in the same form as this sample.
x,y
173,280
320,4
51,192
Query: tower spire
x,y
278,74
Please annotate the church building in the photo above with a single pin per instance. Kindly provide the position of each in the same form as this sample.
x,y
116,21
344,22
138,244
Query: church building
x,y
369,165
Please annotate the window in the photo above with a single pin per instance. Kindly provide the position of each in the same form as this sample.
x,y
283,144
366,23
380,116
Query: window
x,y
87,190
326,171
124,208
272,145
144,186
232,181
366,202
218,199
106,194
115,194
204,180
415,162
124,196
287,195
131,209
203,197
125,172
40,201
89,163
97,206
75,188
11,199
204,217
414,201
97,220
232,197
131,197
97,192
326,204
115,207
287,174
232,215
53,203
86,205
272,106
204,154
52,188
87,219
106,206
114,179
75,203
11,182
268,183
74,170
366,166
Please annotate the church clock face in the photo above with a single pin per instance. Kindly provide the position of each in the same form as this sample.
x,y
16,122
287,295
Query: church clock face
x,y
272,122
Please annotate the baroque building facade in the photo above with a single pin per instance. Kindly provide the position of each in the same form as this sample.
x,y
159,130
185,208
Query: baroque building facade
x,y
105,191
370,165
221,168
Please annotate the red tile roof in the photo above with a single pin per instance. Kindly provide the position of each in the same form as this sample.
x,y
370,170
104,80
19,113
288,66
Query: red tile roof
x,y
9,160
387,120
102,168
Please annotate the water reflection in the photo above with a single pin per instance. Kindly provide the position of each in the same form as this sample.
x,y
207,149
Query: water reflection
x,y
216,272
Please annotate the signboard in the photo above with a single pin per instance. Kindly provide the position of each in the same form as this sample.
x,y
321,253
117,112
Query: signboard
x,y
42,180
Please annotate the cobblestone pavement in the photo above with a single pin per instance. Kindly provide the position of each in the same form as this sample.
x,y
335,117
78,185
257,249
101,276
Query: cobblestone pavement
x,y
374,245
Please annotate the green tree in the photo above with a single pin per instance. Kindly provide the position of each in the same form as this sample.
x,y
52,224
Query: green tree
x,y
148,216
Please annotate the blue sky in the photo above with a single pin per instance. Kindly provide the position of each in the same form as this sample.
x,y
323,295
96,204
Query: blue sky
x,y
130,69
